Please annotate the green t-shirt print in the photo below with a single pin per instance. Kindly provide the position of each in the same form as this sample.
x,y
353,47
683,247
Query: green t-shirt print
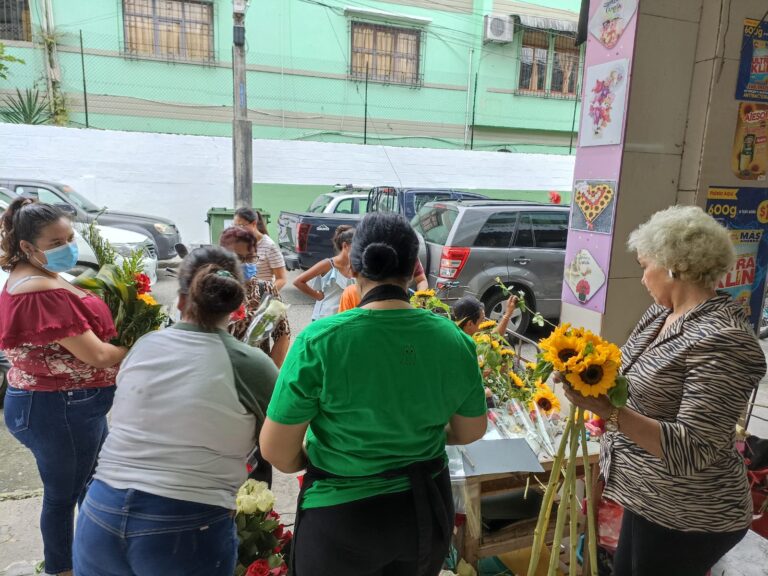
x,y
378,387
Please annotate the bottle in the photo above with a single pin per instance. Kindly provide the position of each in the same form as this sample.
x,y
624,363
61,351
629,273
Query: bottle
x,y
747,154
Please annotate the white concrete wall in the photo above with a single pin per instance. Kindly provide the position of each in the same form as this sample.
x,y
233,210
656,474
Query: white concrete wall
x,y
181,177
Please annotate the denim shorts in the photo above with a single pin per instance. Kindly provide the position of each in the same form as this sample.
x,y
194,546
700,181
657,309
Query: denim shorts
x,y
133,533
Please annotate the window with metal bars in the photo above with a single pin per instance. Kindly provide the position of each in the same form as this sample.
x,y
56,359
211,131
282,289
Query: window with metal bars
x,y
556,76
385,53
14,20
173,29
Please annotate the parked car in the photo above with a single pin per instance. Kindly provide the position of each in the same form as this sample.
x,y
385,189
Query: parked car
x,y
123,241
305,238
347,200
163,232
474,242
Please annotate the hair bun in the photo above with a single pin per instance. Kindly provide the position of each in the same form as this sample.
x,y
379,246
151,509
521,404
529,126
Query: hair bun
x,y
380,261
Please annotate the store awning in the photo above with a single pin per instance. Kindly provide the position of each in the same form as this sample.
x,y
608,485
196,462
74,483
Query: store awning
x,y
547,23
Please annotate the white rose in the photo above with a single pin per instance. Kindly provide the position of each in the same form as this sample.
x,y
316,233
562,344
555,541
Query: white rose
x,y
265,501
252,487
247,504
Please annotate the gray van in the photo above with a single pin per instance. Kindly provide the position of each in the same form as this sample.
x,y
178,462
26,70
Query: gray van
x,y
474,242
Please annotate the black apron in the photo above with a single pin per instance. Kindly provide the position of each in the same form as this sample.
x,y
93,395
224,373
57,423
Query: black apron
x,y
427,499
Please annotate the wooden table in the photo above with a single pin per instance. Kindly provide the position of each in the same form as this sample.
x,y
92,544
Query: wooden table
x,y
474,545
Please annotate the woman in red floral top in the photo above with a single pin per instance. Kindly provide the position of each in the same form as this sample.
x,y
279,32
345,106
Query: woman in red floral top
x,y
63,376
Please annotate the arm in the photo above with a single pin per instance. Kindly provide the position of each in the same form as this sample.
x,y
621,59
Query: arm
x,y
643,431
421,282
504,322
464,430
281,277
87,348
302,281
282,445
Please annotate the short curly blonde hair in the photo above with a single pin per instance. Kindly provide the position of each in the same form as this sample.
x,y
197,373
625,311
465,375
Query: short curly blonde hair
x,y
688,242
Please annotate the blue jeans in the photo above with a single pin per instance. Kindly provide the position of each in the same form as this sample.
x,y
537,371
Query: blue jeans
x,y
132,533
64,431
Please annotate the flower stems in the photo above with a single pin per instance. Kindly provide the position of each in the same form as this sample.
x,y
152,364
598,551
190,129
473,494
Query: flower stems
x,y
542,523
591,530
569,489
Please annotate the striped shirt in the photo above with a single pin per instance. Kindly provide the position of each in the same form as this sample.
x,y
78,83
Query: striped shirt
x,y
695,379
268,258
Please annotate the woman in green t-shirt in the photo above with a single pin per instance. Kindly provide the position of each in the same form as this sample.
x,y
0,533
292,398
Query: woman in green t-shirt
x,y
378,391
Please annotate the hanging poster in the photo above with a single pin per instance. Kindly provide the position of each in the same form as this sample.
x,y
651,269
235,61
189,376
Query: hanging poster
x,y
593,206
749,160
744,211
602,118
610,20
752,83
584,276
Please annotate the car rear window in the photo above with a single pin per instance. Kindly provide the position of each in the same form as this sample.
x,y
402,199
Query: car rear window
x,y
434,223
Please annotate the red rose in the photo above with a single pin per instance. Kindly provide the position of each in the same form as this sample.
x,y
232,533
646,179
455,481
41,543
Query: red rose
x,y
259,568
287,535
555,197
281,570
238,314
277,549
143,284
279,531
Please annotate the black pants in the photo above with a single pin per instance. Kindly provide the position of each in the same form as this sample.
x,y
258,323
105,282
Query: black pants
x,y
372,537
647,549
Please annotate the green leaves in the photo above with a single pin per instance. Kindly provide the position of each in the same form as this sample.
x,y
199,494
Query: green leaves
x,y
6,58
619,394
28,107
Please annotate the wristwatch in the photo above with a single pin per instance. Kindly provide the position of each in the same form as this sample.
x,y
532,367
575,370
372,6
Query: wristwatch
x,y
612,424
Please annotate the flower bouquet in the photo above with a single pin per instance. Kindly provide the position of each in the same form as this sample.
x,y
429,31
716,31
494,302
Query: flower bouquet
x,y
263,538
590,365
428,300
124,288
264,320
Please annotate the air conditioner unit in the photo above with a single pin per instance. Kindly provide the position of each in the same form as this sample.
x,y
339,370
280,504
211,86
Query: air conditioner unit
x,y
498,28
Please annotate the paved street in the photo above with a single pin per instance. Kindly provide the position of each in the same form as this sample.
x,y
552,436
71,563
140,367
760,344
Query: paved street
x,y
20,489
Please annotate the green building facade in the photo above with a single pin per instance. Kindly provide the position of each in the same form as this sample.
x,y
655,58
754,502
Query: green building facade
x,y
481,74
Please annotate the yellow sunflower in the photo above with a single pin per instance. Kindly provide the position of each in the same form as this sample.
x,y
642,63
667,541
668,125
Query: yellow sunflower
x,y
495,344
424,293
595,376
546,400
482,338
487,324
530,365
563,350
147,299
516,380
507,352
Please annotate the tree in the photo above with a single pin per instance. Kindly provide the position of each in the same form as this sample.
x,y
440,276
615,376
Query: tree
x,y
6,58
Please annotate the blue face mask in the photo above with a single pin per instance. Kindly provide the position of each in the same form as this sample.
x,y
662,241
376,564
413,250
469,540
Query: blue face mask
x,y
62,258
249,270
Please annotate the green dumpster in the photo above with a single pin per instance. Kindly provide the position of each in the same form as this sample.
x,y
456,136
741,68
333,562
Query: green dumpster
x,y
221,218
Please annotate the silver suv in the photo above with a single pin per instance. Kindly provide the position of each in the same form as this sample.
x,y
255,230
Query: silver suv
x,y
474,242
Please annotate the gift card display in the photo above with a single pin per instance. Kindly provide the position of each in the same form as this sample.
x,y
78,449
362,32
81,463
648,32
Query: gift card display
x,y
584,276
593,205
611,19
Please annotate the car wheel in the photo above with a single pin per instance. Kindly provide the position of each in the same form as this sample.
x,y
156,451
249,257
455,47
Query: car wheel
x,y
496,305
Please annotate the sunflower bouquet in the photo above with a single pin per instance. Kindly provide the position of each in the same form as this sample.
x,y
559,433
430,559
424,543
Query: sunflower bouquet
x,y
590,366
428,300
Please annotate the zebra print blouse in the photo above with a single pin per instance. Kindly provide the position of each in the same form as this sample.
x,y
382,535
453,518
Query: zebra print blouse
x,y
695,379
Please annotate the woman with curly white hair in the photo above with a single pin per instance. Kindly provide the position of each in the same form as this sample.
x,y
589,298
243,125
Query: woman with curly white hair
x,y
669,456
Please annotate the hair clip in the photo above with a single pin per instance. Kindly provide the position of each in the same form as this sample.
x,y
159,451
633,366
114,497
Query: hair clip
x,y
224,274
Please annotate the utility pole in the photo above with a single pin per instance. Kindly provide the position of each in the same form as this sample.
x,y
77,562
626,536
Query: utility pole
x,y
242,128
